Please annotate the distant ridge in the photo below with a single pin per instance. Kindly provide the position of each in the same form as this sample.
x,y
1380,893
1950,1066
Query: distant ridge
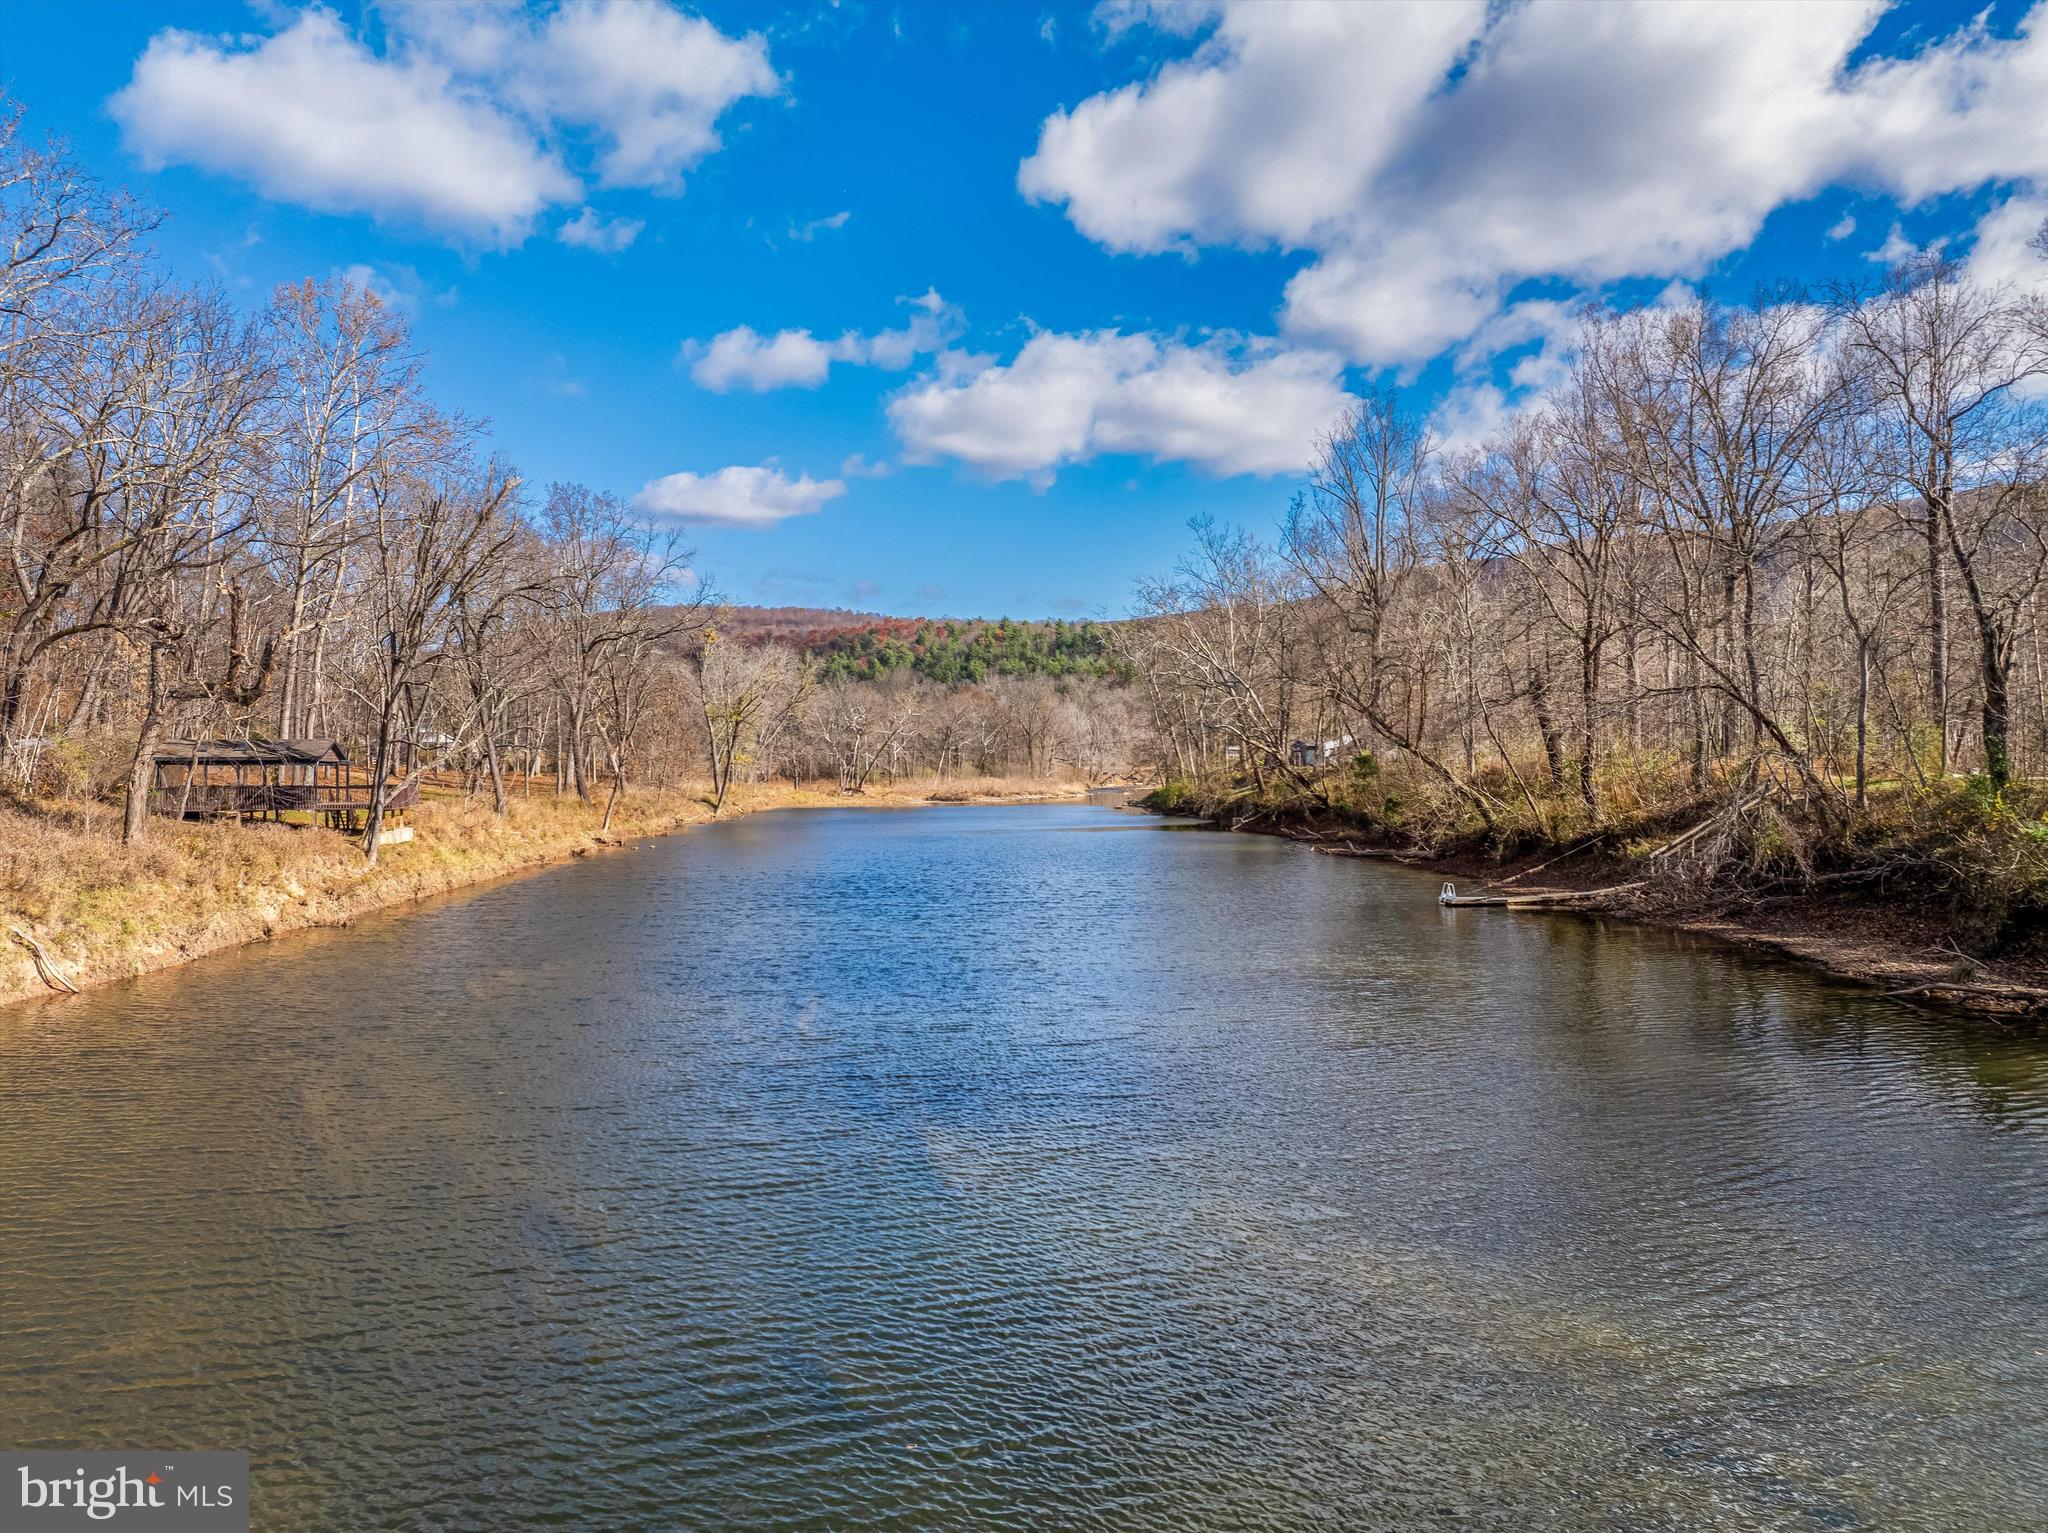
x,y
797,624
870,645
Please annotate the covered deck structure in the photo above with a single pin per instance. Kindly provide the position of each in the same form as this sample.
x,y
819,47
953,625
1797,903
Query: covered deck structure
x,y
265,779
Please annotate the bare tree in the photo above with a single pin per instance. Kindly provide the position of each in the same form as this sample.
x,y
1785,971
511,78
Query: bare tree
x,y
1356,539
349,410
613,581
1941,352
741,693
859,725
431,542
1716,410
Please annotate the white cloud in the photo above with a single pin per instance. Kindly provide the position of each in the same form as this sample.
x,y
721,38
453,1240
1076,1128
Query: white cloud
x,y
1068,398
857,467
1271,129
737,497
590,230
744,358
1401,302
1842,227
1176,18
1896,250
398,287
652,79
933,327
312,116
2006,248
804,233
1505,368
455,125
1431,156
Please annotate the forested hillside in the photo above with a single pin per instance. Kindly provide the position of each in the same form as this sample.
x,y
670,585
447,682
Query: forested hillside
x,y
949,651
867,646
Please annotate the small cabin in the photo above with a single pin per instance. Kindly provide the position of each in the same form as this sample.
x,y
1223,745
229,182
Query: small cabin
x,y
1309,753
265,779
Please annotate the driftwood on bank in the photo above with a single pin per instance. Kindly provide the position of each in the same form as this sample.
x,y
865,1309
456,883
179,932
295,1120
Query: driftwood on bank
x,y
45,965
1723,816
1451,896
1549,861
1994,1000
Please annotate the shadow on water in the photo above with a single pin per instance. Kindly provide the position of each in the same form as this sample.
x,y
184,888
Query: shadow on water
x,y
949,1169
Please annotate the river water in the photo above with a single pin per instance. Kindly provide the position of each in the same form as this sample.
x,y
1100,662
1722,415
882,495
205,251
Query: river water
x,y
1027,1168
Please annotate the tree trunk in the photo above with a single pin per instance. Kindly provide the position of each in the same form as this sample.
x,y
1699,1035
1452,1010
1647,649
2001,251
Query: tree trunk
x,y
1997,713
1546,726
500,804
611,801
1589,727
579,778
1632,677
1862,721
1937,622
380,777
135,814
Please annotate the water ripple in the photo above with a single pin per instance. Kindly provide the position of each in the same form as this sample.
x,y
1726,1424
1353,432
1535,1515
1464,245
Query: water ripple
x,y
951,1170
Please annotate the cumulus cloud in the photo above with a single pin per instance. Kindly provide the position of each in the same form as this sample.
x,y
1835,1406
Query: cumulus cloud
x,y
1504,369
2008,246
589,230
740,496
1068,398
653,80
312,116
743,357
1432,156
454,124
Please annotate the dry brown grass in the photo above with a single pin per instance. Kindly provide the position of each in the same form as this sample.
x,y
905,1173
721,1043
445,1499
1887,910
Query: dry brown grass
x,y
994,790
104,911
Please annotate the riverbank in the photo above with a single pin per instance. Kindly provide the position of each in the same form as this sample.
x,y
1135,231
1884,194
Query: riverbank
x,y
103,912
1847,922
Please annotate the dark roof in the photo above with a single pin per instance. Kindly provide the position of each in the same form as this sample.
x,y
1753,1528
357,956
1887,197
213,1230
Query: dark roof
x,y
249,752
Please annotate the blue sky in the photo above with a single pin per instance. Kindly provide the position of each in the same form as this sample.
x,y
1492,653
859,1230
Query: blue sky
x,y
967,309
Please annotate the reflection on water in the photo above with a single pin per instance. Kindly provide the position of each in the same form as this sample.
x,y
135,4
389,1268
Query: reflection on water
x,y
946,1170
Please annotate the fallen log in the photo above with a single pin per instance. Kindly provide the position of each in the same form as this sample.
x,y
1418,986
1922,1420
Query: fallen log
x,y
1560,857
1725,815
46,967
2019,995
1451,896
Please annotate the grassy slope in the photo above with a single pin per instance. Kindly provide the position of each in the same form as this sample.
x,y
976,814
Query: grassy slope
x,y
105,912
